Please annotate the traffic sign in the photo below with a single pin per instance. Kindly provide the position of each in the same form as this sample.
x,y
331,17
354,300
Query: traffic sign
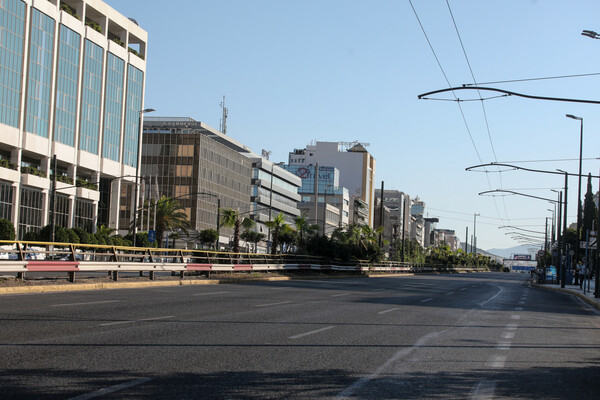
x,y
591,245
152,236
541,253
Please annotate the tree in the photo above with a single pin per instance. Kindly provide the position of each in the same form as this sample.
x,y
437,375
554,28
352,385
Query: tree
x,y
169,217
275,225
253,237
207,237
7,230
287,237
233,219
589,209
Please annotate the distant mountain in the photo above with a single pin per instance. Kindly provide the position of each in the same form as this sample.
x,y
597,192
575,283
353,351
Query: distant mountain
x,y
507,253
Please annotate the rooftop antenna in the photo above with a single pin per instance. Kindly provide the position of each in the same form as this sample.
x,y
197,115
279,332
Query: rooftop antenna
x,y
223,125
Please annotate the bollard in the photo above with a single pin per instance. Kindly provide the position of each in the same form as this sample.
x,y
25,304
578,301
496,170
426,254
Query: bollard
x,y
115,275
181,274
151,275
71,276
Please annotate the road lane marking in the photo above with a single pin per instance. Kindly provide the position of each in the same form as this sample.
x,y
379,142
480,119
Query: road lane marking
x,y
85,304
311,332
516,316
378,290
340,295
518,308
426,300
521,302
493,297
387,311
206,294
273,304
483,391
503,345
496,361
357,385
511,327
463,289
508,335
131,321
449,293
112,389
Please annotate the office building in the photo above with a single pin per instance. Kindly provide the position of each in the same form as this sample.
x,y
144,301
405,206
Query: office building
x,y
357,173
198,166
72,86
331,209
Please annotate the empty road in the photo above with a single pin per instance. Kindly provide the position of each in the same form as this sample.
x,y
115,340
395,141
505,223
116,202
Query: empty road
x,y
461,336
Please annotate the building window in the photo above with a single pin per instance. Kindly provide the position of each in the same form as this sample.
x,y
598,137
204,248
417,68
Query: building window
x,y
61,210
91,95
84,215
30,211
135,86
41,53
12,30
6,200
66,86
113,108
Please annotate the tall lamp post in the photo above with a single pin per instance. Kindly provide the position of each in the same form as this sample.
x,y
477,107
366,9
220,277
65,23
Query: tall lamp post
x,y
137,171
579,185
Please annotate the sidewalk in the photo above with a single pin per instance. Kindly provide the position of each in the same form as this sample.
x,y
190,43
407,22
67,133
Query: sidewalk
x,y
588,296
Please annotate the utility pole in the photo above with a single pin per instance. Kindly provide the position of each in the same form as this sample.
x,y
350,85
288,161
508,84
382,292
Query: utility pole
x,y
381,224
53,199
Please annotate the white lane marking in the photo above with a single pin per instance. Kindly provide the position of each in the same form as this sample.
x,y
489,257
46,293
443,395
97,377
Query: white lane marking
x,y
496,361
518,308
463,289
493,297
426,300
206,294
349,391
112,389
511,327
449,293
387,311
340,295
273,304
311,332
503,345
131,321
484,390
378,290
516,316
84,304
508,335
521,302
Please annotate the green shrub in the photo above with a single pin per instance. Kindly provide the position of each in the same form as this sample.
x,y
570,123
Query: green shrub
x,y
84,236
73,236
31,236
7,230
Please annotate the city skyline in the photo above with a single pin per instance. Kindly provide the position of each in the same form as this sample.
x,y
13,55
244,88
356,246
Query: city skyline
x,y
292,74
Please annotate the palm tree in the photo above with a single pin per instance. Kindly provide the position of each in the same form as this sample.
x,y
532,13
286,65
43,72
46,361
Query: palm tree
x,y
233,219
170,216
275,225
303,227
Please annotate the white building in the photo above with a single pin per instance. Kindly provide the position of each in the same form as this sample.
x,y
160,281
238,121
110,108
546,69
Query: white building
x,y
73,74
357,172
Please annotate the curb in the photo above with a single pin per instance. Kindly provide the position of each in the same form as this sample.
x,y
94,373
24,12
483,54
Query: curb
x,y
583,297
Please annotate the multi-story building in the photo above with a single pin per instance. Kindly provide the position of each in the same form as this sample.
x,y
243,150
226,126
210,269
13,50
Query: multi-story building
x,y
357,172
200,167
274,191
72,86
445,236
398,204
332,206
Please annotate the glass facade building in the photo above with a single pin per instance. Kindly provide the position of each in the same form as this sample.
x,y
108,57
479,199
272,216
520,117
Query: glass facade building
x,y
69,88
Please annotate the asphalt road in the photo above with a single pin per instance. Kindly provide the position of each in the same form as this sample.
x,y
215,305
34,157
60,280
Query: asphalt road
x,y
467,336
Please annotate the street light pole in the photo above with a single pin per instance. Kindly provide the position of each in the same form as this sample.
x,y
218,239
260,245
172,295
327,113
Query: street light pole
x,y
474,232
579,185
137,172
564,242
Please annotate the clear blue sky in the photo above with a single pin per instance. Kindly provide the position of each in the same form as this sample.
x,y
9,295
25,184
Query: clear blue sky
x,y
345,70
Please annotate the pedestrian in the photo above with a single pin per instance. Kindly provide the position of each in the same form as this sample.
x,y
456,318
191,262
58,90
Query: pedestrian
x,y
582,274
576,274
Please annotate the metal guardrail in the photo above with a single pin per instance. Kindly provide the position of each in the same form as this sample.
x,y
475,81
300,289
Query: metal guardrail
x,y
22,256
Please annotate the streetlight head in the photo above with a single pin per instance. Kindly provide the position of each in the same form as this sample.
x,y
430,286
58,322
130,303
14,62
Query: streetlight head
x,y
590,34
573,117
147,110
